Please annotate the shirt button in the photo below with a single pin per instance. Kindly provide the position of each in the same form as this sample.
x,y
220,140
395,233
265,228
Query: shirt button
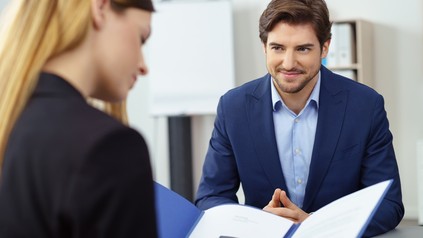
x,y
297,151
297,120
299,181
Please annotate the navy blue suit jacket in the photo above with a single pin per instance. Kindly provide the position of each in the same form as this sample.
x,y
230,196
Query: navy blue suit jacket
x,y
352,150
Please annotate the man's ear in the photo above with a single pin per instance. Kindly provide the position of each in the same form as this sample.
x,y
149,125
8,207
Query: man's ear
x,y
98,8
264,48
325,49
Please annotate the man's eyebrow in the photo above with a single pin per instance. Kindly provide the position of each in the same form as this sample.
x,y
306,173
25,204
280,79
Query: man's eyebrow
x,y
274,44
307,45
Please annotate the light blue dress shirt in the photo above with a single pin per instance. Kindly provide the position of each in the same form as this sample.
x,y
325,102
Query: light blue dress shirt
x,y
295,139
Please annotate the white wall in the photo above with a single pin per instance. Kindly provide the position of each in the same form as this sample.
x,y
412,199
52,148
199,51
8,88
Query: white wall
x,y
398,73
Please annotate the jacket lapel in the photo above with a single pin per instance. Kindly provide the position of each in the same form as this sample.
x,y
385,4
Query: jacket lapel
x,y
260,122
332,105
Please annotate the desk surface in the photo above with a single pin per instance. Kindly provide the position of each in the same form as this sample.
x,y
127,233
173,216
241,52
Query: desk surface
x,y
405,231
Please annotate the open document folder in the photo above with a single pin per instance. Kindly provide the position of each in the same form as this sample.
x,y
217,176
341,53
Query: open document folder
x,y
345,217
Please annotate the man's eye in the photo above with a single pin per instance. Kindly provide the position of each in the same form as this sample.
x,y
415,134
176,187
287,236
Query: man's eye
x,y
303,49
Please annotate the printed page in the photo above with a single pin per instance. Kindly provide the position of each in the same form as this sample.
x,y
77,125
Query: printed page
x,y
345,217
234,220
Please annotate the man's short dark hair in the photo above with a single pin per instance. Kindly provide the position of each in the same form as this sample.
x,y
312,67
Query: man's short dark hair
x,y
296,12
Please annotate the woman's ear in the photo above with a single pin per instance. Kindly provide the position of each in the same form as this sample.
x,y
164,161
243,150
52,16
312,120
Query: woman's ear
x,y
98,12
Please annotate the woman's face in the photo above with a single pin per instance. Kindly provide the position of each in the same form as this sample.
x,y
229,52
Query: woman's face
x,y
118,56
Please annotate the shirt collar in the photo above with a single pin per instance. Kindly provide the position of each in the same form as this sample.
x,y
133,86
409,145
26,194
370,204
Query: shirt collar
x,y
276,98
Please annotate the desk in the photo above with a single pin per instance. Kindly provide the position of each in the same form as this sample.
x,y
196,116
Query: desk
x,y
405,231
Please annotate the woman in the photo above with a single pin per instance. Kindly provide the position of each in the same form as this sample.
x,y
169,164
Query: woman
x,y
68,169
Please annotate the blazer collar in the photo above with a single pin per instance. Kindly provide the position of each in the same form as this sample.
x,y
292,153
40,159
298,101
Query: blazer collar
x,y
54,85
333,100
260,118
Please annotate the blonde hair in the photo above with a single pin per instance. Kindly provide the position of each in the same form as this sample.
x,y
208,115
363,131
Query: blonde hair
x,y
33,32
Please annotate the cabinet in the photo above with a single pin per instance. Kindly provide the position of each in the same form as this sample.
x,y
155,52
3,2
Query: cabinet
x,y
350,52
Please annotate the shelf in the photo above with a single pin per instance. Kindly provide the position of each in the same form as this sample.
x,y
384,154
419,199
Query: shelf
x,y
360,40
345,67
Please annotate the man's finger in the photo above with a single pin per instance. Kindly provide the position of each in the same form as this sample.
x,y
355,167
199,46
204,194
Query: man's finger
x,y
285,200
275,202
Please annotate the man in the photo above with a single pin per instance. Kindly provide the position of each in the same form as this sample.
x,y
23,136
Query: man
x,y
315,135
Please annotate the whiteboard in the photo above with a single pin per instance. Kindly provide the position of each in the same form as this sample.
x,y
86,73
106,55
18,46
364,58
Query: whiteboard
x,y
190,57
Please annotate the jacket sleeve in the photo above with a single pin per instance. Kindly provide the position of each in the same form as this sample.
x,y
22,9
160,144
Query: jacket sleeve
x,y
220,180
380,164
112,192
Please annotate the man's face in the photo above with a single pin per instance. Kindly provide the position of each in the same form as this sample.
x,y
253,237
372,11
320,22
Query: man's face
x,y
293,57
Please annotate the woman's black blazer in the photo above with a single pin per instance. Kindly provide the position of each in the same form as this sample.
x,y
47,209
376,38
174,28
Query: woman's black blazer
x,y
70,170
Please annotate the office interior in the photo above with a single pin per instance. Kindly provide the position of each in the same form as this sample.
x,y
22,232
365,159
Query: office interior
x,y
397,28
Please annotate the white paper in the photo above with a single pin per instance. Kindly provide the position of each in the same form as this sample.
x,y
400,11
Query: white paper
x,y
233,220
344,217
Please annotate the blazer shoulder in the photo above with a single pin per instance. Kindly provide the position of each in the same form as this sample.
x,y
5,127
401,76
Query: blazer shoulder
x,y
100,125
256,87
72,126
